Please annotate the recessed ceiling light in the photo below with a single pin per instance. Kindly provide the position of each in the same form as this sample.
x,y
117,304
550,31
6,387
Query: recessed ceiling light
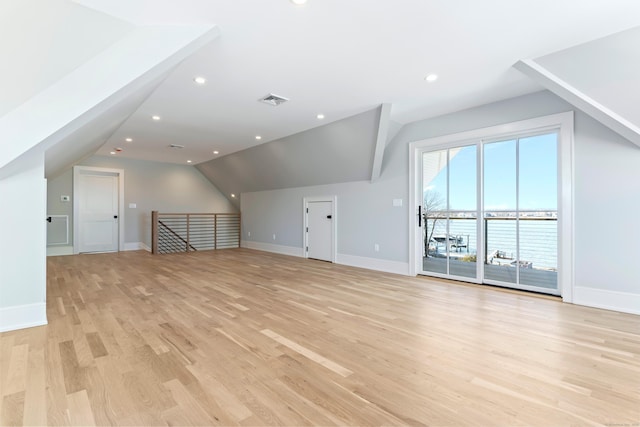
x,y
233,195
216,152
431,78
320,116
258,137
128,139
200,80
113,152
188,161
299,2
156,118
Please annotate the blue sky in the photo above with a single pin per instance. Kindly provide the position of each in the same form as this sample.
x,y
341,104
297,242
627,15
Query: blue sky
x,y
537,180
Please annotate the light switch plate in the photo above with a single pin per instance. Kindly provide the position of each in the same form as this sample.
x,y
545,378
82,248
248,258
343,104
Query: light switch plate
x,y
397,202
132,206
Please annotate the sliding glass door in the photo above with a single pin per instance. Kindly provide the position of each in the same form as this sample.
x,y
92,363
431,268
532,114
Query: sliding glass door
x,y
493,201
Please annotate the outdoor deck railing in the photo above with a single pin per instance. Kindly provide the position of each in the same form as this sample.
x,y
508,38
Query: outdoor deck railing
x,y
538,238
186,232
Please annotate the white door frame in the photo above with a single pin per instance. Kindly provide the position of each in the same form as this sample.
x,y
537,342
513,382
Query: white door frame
x,y
561,121
334,223
86,170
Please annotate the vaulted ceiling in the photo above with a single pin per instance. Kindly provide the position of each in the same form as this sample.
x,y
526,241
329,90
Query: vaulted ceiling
x,y
332,57
341,58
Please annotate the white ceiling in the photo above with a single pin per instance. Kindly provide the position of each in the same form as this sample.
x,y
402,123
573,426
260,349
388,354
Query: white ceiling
x,y
340,58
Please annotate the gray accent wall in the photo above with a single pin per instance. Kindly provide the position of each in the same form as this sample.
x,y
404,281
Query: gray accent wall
x,y
341,151
151,186
606,188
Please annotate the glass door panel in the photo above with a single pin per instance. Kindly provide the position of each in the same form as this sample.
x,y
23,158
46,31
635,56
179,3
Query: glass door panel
x,y
463,211
520,212
449,190
538,206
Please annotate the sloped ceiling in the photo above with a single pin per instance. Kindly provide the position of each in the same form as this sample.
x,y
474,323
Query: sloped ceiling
x,y
601,77
338,152
72,117
42,41
342,58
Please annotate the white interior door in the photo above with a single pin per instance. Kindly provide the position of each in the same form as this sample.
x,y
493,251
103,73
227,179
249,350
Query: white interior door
x,y
320,230
98,212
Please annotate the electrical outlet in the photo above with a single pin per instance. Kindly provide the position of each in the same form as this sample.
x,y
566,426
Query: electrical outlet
x,y
274,237
248,234
376,247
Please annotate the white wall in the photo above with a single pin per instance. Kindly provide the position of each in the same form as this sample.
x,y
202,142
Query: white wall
x,y
365,217
22,247
151,186
607,231
607,180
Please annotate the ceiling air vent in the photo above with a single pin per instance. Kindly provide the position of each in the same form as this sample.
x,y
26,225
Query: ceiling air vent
x,y
176,146
274,100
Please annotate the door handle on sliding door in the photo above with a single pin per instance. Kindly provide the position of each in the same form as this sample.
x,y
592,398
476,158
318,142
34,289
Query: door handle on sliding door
x,y
420,216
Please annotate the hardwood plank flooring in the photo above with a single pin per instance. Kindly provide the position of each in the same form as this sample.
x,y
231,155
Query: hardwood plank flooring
x,y
241,337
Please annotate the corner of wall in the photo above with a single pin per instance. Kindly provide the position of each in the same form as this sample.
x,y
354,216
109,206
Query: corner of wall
x,y
23,316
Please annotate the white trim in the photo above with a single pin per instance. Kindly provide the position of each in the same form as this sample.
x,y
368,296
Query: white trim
x,y
563,121
136,246
23,316
270,247
77,170
334,223
414,188
579,99
566,178
388,266
59,250
609,300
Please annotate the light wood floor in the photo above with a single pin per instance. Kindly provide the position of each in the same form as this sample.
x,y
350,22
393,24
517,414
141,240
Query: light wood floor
x,y
240,337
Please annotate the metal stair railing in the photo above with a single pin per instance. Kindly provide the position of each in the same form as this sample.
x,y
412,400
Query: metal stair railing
x,y
186,232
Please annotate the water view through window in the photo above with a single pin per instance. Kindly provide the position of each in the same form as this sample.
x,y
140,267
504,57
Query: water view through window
x,y
495,203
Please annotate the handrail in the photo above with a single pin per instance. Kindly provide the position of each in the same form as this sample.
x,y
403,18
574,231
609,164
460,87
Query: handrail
x,y
186,232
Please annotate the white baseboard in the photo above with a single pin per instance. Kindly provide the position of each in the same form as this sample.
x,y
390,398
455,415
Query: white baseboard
x,y
609,300
136,246
270,247
23,316
377,264
59,250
